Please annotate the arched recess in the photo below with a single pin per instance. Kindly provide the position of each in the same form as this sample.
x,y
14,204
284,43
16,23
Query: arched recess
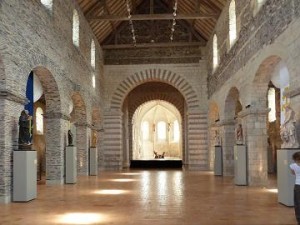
x,y
148,92
232,107
213,118
195,120
54,126
82,132
272,72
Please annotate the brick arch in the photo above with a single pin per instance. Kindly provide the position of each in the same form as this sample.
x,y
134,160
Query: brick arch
x,y
79,111
50,89
262,79
232,103
154,75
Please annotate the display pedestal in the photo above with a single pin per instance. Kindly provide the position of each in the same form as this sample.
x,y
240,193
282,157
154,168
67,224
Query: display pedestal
x,y
285,179
24,176
93,161
71,165
218,167
240,165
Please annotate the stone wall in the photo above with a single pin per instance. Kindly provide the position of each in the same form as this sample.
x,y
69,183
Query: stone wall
x,y
188,79
265,38
34,38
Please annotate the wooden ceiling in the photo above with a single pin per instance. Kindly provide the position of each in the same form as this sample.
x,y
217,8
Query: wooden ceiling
x,y
109,18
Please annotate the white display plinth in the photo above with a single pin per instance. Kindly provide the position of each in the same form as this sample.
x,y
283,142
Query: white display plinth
x,y
285,179
218,167
93,161
71,165
24,176
240,165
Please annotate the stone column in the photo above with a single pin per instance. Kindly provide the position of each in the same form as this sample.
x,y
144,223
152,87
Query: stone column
x,y
56,127
197,144
228,142
113,140
10,109
83,133
256,138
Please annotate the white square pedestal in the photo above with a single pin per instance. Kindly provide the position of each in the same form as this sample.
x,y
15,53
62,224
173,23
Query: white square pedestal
x,y
218,167
71,165
93,162
285,179
240,165
25,176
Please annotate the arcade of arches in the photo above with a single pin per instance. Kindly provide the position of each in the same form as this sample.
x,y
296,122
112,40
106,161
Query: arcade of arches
x,y
131,101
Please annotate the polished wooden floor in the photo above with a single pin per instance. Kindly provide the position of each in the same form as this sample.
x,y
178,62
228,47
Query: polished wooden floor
x,y
154,197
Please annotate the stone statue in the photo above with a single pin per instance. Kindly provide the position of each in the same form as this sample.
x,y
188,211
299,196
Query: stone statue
x,y
217,138
70,138
25,128
288,130
94,139
239,136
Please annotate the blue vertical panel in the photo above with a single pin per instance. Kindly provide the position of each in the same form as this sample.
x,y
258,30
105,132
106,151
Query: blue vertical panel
x,y
29,94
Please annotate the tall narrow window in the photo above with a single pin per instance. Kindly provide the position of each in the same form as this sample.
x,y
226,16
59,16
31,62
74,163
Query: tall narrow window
x,y
176,131
93,54
93,80
75,28
272,104
39,121
161,130
48,4
232,23
215,52
145,130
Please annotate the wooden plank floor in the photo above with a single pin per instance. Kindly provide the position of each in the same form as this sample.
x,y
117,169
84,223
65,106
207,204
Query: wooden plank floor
x,y
153,197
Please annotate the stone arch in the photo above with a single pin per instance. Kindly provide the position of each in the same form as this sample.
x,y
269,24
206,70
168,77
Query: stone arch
x,y
142,95
55,134
152,75
115,124
261,81
79,111
50,88
232,104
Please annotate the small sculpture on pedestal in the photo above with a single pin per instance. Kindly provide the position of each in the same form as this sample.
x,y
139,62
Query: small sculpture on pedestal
x,y
70,138
239,136
217,138
94,139
288,130
25,130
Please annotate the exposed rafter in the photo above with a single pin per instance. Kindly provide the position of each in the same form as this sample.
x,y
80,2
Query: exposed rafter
x,y
147,45
153,17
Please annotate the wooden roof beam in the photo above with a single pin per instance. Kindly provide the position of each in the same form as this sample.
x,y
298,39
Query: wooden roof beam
x,y
153,17
160,45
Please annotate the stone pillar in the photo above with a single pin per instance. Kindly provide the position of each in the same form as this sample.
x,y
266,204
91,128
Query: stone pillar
x,y
228,142
254,122
10,109
83,133
197,143
56,126
113,142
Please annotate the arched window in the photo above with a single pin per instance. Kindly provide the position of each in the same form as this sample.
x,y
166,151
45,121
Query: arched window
x,y
232,23
161,130
145,130
272,104
93,80
39,121
176,131
93,54
48,4
75,28
215,52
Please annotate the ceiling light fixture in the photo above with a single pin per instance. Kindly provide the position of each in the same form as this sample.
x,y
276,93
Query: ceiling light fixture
x,y
174,20
131,23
